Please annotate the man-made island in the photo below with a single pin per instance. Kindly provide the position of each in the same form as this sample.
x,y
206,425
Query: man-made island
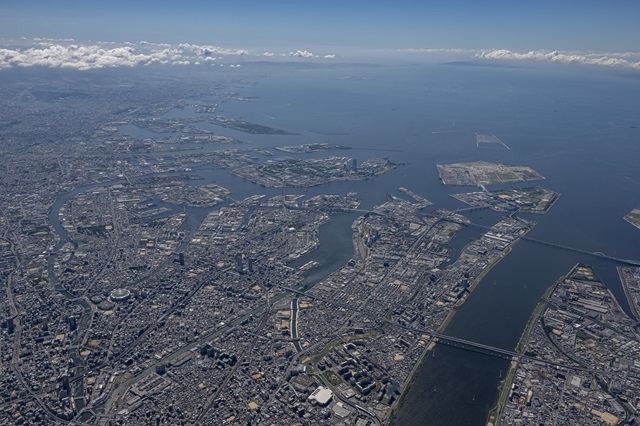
x,y
313,171
527,200
633,217
310,147
484,173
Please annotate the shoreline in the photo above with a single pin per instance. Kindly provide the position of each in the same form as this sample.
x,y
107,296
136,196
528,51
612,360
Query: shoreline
x,y
444,324
627,293
632,223
493,418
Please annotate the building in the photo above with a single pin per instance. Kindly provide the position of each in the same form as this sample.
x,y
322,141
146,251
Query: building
x,y
322,396
120,295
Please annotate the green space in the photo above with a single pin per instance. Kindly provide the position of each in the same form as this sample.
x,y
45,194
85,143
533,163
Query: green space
x,y
504,394
332,377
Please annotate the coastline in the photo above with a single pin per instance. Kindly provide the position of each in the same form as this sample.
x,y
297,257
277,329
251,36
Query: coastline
x,y
632,223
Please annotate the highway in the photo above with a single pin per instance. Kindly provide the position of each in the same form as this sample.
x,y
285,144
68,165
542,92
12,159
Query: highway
x,y
595,254
547,243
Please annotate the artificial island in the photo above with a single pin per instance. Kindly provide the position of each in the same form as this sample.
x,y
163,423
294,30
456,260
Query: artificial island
x,y
484,173
633,217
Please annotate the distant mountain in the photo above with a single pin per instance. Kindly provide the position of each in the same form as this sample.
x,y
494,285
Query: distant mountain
x,y
479,64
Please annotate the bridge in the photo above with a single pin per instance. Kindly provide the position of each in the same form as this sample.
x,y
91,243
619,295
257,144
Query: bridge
x,y
496,352
594,254
469,345
598,254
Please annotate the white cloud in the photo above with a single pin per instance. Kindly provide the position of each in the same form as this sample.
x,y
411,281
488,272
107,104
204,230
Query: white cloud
x,y
67,53
623,60
302,54
210,50
72,54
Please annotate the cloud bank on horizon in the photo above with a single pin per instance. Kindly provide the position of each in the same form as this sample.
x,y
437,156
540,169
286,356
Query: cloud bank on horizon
x,y
629,60
67,53
70,54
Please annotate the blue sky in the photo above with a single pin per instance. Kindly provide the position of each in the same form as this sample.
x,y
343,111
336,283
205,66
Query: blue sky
x,y
585,25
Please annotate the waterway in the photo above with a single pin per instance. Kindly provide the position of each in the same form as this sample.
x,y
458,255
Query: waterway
x,y
294,324
334,251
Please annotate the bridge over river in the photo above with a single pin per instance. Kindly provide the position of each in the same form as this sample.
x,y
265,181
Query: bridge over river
x,y
547,243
